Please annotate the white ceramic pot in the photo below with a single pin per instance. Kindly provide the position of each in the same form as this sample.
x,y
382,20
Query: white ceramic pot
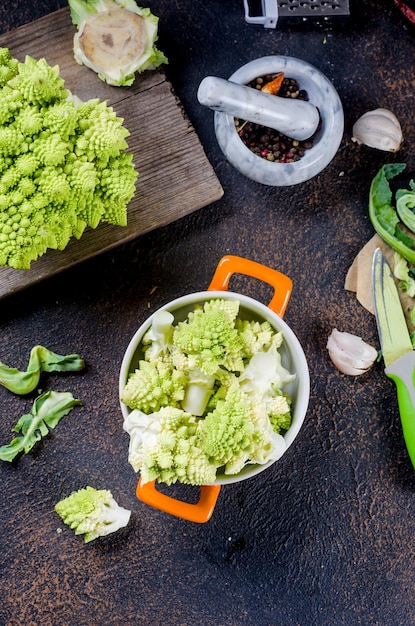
x,y
292,354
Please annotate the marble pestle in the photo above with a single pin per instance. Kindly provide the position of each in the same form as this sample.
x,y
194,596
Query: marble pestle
x,y
297,119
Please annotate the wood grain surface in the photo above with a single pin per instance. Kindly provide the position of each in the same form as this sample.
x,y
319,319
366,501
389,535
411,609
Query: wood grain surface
x,y
175,176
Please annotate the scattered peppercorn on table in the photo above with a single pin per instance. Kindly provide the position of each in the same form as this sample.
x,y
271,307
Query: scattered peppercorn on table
x,y
324,535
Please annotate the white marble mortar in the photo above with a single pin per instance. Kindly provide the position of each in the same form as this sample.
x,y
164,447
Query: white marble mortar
x,y
321,94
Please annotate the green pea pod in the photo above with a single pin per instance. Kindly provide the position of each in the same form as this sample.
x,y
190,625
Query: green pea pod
x,y
45,413
41,360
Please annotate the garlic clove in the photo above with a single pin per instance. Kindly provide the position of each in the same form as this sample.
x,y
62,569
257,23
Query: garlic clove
x,y
349,353
378,129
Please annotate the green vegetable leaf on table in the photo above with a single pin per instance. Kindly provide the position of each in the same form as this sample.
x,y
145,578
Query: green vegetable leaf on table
x,y
46,412
41,360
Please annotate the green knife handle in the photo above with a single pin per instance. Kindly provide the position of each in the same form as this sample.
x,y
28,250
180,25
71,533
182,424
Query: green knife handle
x,y
402,372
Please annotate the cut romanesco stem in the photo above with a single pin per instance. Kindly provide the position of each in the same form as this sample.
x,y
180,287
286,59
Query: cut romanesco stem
x,y
116,39
199,389
63,163
265,373
92,513
157,342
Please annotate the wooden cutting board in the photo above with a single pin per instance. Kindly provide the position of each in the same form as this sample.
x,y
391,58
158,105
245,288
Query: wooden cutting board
x,y
175,176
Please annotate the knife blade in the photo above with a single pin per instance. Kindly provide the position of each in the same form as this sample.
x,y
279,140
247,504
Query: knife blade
x,y
396,345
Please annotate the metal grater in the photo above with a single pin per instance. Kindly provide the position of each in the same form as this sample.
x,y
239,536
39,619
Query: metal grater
x,y
269,12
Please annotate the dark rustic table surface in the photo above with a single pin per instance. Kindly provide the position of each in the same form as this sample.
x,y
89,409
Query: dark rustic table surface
x,y
325,536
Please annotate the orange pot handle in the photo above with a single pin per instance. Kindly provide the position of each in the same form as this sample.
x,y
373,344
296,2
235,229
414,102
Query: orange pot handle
x,y
229,265
202,510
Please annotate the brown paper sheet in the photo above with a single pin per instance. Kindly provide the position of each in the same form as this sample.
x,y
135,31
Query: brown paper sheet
x,y
359,278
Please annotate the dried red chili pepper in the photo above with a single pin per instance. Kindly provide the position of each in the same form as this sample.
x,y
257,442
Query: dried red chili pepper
x,y
405,10
274,86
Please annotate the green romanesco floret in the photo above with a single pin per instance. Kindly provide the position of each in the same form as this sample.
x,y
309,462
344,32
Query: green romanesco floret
x,y
11,141
38,82
257,336
61,118
210,335
103,134
92,512
50,149
278,409
153,386
227,435
163,447
64,165
8,66
10,104
29,120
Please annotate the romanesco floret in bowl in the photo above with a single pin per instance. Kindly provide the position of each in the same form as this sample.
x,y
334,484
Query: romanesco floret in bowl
x,y
64,164
207,395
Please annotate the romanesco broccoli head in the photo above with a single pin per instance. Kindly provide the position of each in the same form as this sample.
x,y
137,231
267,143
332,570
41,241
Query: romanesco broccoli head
x,y
92,513
63,166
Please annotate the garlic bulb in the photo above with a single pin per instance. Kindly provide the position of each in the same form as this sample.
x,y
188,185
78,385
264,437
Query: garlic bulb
x,y
350,354
379,129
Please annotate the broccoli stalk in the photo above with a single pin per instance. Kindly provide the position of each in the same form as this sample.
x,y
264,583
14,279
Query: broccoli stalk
x,y
157,341
92,513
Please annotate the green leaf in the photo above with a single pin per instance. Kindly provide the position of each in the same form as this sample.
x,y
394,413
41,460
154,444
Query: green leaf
x,y
404,207
46,412
404,238
41,360
382,214
380,190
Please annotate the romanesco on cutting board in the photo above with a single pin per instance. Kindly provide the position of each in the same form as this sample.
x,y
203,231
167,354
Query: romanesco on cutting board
x,y
63,163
